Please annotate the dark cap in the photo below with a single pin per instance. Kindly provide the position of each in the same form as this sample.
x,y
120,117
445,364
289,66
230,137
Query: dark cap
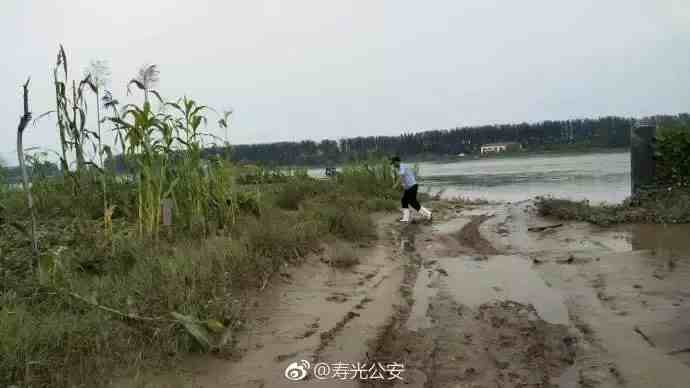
x,y
395,159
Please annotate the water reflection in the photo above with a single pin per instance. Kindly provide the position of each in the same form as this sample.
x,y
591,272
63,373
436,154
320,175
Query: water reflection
x,y
597,177
502,277
667,238
603,177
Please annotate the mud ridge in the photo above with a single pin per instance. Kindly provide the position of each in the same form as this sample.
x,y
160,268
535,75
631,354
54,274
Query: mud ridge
x,y
470,237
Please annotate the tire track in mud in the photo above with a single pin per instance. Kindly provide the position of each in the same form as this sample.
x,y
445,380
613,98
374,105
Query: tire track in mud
x,y
594,367
329,336
383,346
502,344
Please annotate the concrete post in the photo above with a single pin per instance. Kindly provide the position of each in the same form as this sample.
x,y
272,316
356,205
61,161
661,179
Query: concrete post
x,y
642,164
166,212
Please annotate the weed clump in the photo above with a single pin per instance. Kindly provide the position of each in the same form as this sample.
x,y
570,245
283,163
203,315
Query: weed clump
x,y
658,207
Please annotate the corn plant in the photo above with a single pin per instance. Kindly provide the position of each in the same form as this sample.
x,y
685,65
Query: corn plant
x,y
71,113
146,79
148,139
96,77
223,201
191,196
111,104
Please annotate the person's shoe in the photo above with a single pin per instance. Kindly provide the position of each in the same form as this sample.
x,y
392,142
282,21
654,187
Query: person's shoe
x,y
425,212
405,215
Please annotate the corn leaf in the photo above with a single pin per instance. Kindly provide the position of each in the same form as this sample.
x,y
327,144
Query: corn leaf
x,y
197,331
215,326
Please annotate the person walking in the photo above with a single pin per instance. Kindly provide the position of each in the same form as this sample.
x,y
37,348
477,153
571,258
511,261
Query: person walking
x,y
409,184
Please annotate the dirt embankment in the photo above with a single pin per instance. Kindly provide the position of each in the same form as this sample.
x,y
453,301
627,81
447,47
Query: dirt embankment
x,y
487,296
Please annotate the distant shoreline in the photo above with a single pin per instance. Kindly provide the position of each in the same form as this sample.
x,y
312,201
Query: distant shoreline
x,y
518,154
437,159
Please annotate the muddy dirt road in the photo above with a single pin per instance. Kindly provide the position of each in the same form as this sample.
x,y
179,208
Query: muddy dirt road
x,y
486,296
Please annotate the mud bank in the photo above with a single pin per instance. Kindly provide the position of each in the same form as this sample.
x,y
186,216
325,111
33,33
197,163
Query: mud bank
x,y
469,323
485,296
505,298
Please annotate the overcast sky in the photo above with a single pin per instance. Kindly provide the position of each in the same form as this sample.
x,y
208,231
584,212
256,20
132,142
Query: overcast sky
x,y
315,69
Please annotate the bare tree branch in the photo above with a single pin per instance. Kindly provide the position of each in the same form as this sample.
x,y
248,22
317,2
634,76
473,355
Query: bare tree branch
x,y
23,123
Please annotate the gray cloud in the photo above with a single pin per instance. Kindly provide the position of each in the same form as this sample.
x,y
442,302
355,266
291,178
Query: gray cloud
x,y
318,69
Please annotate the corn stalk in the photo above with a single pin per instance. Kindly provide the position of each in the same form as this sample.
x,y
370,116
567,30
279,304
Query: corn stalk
x,y
96,78
71,113
148,138
192,194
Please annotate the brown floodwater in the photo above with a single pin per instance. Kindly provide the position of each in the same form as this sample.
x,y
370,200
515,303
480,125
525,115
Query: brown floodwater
x,y
598,177
502,277
673,239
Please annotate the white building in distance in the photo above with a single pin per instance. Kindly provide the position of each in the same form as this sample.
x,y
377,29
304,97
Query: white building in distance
x,y
499,147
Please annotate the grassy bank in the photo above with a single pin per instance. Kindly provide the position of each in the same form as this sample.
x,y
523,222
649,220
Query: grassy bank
x,y
660,207
96,304
103,272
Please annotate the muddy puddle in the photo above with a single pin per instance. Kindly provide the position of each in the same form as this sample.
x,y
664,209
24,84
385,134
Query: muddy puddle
x,y
476,280
664,239
667,238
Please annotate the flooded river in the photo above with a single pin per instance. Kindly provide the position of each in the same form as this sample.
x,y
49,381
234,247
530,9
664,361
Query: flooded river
x,y
597,177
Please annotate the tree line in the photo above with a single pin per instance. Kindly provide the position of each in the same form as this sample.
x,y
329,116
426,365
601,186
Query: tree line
x,y
605,132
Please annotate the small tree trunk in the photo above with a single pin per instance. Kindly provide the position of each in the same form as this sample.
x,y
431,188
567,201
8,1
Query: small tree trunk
x,y
23,122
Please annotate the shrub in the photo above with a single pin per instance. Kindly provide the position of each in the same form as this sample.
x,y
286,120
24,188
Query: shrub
x,y
350,223
372,178
662,206
673,156
296,190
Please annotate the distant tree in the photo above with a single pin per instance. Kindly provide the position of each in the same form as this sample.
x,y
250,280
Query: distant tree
x,y
3,173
